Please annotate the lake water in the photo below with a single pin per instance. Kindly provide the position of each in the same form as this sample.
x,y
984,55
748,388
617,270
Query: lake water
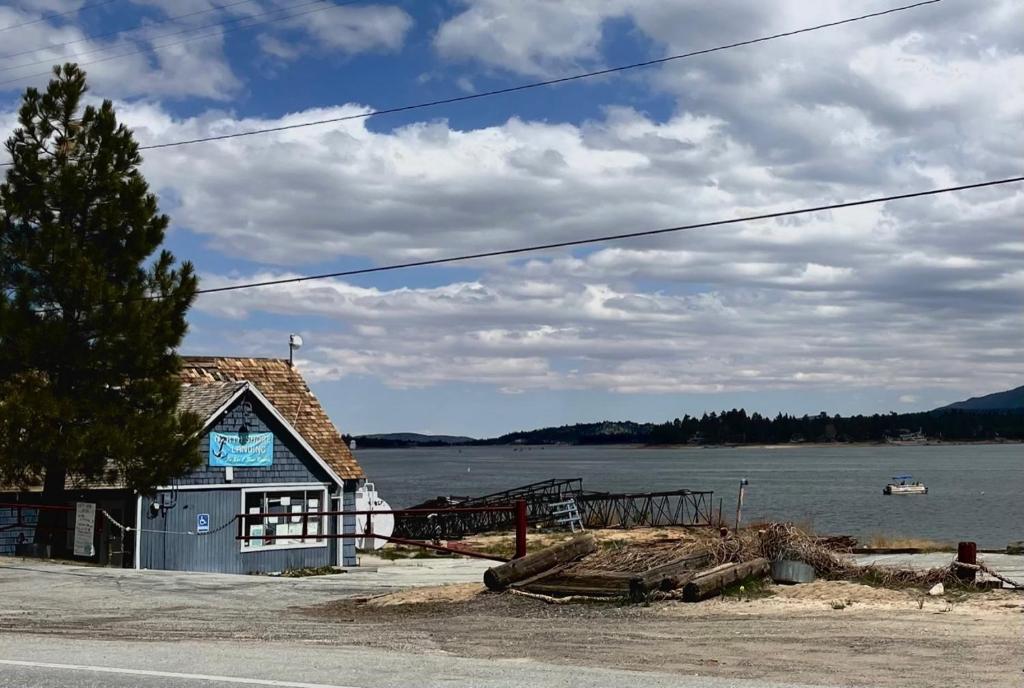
x,y
974,492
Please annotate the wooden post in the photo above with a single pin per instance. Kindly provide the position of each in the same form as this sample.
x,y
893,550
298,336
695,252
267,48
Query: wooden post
x,y
967,553
521,525
739,504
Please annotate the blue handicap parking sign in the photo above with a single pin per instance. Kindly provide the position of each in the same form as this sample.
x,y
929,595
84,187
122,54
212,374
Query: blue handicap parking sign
x,y
202,523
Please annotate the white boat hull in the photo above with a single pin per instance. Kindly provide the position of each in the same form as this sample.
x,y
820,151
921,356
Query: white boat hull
x,y
904,489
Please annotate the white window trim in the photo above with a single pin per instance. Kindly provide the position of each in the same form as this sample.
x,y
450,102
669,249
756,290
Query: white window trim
x,y
294,487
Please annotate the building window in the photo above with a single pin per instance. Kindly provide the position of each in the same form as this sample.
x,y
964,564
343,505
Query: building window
x,y
282,528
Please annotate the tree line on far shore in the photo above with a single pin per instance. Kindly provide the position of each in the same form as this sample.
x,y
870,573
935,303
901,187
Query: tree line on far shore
x,y
738,427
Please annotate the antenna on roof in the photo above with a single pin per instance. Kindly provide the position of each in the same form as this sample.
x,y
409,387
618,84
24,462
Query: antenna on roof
x,y
294,342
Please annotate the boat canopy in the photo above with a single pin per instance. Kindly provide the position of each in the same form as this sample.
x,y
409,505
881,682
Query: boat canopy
x,y
902,477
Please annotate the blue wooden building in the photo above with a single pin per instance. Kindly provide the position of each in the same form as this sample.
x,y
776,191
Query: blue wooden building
x,y
267,446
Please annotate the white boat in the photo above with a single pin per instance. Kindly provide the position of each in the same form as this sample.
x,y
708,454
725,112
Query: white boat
x,y
905,484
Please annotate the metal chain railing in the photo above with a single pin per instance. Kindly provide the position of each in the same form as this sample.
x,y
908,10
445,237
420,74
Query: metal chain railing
x,y
128,529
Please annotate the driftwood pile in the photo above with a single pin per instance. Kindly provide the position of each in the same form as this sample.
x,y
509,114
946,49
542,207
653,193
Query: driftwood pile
x,y
576,568
692,569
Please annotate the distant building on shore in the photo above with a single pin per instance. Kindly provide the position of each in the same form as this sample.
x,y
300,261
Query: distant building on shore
x,y
905,436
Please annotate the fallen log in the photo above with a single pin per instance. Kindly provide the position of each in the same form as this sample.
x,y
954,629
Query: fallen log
x,y
669,576
500,577
558,600
712,582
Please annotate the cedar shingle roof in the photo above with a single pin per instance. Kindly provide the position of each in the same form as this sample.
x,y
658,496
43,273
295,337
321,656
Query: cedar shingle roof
x,y
285,388
204,399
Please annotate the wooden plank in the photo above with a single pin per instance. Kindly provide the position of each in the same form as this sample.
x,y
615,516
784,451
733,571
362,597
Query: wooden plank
x,y
713,582
500,577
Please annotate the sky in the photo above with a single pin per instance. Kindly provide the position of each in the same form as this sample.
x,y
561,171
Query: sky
x,y
900,306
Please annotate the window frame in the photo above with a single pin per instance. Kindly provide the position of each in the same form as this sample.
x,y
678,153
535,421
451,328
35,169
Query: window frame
x,y
245,546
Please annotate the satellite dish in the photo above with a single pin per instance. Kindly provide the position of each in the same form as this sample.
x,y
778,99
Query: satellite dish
x,y
294,344
383,524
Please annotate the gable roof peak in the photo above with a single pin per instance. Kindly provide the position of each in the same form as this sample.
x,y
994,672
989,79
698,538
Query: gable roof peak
x,y
284,387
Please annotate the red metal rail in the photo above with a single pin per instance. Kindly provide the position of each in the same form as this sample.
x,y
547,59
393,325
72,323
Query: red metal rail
x,y
519,508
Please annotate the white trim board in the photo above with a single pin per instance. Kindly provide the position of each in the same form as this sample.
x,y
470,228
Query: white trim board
x,y
295,433
223,407
137,554
237,486
250,387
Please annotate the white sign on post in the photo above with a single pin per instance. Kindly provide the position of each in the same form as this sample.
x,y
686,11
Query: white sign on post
x,y
85,525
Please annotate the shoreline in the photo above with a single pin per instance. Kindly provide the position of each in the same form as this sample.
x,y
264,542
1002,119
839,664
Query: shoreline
x,y
785,445
797,445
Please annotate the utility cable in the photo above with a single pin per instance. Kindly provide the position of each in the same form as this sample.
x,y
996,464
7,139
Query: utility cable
x,y
528,86
582,242
121,32
611,237
83,8
540,84
323,5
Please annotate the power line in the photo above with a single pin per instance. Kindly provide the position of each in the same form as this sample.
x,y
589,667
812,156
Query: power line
x,y
532,85
83,8
539,84
91,37
612,237
219,32
580,242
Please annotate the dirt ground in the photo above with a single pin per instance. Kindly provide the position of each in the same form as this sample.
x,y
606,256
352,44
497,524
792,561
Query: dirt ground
x,y
821,633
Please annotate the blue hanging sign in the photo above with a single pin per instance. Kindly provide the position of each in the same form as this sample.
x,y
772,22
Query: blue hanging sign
x,y
241,449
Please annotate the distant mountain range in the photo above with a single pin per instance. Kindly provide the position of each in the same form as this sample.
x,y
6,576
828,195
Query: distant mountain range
x,y
998,416
999,401
409,439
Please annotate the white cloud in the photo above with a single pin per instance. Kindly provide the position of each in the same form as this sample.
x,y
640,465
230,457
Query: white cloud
x,y
115,66
535,37
186,57
356,29
914,294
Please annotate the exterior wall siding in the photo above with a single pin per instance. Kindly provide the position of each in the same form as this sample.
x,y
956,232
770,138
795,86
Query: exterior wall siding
x,y
348,524
169,540
113,546
287,466
11,536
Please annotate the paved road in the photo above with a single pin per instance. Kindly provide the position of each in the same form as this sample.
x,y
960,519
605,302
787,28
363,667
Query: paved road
x,y
50,662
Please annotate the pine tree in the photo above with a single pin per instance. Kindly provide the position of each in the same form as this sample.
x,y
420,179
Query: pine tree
x,y
90,313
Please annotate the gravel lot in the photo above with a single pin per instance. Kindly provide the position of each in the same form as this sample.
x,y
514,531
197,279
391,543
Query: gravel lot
x,y
882,638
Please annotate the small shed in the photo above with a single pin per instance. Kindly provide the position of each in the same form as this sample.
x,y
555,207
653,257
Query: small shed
x,y
268,446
